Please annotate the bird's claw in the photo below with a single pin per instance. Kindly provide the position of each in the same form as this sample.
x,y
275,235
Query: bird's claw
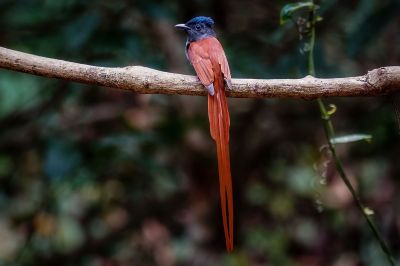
x,y
228,84
210,89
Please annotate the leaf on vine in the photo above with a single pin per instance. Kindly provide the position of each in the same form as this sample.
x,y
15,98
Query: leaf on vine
x,y
352,138
332,109
368,211
288,10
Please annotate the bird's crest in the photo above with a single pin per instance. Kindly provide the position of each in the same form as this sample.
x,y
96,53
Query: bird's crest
x,y
201,19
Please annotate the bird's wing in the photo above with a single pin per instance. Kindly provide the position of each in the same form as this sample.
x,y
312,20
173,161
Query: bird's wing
x,y
219,54
200,59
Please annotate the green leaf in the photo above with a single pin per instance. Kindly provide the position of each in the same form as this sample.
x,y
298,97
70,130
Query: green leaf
x,y
288,10
352,138
368,211
332,109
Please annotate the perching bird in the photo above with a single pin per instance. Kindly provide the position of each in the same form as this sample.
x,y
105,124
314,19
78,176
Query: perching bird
x,y
207,56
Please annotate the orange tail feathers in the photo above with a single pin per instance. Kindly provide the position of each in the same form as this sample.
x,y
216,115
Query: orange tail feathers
x,y
219,128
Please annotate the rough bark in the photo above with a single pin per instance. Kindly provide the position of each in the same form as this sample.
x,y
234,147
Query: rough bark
x,y
138,79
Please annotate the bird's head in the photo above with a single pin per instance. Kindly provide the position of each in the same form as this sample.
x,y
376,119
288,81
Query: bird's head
x,y
198,28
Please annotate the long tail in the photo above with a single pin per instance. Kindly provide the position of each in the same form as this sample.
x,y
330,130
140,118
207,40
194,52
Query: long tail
x,y
219,128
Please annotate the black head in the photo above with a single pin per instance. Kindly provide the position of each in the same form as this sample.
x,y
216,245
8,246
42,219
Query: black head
x,y
198,28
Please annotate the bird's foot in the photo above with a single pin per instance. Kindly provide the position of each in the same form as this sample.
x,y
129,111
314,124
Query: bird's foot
x,y
228,84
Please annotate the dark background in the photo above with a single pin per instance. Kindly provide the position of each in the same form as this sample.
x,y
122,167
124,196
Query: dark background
x,y
96,176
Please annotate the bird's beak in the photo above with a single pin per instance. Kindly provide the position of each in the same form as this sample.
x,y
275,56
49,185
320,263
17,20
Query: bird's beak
x,y
182,26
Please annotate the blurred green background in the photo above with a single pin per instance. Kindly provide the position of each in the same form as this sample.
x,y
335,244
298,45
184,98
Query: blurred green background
x,y
96,176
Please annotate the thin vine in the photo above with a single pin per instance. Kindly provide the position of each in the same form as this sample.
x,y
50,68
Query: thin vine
x,y
329,130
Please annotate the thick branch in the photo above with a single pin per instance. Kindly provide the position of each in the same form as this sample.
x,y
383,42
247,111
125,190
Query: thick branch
x,y
144,80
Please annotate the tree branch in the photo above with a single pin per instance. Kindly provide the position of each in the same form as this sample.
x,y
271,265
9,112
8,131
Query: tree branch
x,y
381,81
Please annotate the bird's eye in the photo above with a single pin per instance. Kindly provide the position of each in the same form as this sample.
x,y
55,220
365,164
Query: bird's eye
x,y
198,27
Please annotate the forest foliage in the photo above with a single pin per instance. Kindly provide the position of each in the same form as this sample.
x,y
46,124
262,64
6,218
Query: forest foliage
x,y
96,176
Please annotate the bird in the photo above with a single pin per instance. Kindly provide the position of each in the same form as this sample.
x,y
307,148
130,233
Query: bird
x,y
205,53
